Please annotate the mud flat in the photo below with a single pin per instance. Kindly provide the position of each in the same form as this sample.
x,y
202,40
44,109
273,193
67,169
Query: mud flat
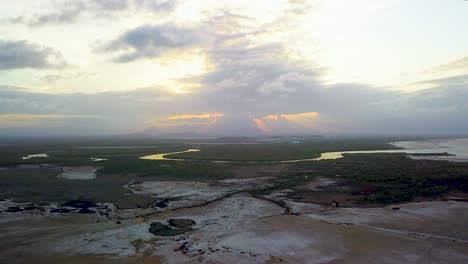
x,y
244,229
78,173
442,219
177,194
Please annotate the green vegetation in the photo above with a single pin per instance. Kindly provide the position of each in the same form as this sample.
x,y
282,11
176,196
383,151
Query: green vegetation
x,y
394,178
166,170
289,180
42,184
368,178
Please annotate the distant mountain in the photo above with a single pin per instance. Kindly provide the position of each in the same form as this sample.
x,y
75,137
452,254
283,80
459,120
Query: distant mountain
x,y
154,132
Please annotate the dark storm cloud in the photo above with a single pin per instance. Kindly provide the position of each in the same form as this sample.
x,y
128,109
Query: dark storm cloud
x,y
69,11
150,41
22,54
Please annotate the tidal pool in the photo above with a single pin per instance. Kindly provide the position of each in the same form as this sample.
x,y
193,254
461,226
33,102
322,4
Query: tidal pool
x,y
97,159
162,155
79,173
43,155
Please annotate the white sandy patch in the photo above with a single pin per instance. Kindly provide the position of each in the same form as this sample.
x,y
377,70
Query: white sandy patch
x,y
440,218
226,217
234,230
194,191
305,208
117,242
280,194
274,243
257,181
79,173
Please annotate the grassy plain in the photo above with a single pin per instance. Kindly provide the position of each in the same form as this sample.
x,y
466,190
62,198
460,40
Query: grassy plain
x,y
369,179
394,178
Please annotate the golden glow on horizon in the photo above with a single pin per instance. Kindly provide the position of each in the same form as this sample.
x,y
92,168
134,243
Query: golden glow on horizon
x,y
266,123
201,122
29,119
211,123
195,116
261,124
293,117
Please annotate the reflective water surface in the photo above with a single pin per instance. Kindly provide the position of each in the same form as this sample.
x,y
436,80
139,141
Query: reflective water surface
x,y
36,156
162,155
457,148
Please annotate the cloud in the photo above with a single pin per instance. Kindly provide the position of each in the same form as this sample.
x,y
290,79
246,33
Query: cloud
x,y
150,41
22,54
452,80
69,11
254,84
458,64
55,78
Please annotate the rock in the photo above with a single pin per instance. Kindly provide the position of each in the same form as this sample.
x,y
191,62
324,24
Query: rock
x,y
161,204
159,229
181,222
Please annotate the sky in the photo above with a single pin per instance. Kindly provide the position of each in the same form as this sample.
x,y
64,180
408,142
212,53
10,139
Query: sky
x,y
234,67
